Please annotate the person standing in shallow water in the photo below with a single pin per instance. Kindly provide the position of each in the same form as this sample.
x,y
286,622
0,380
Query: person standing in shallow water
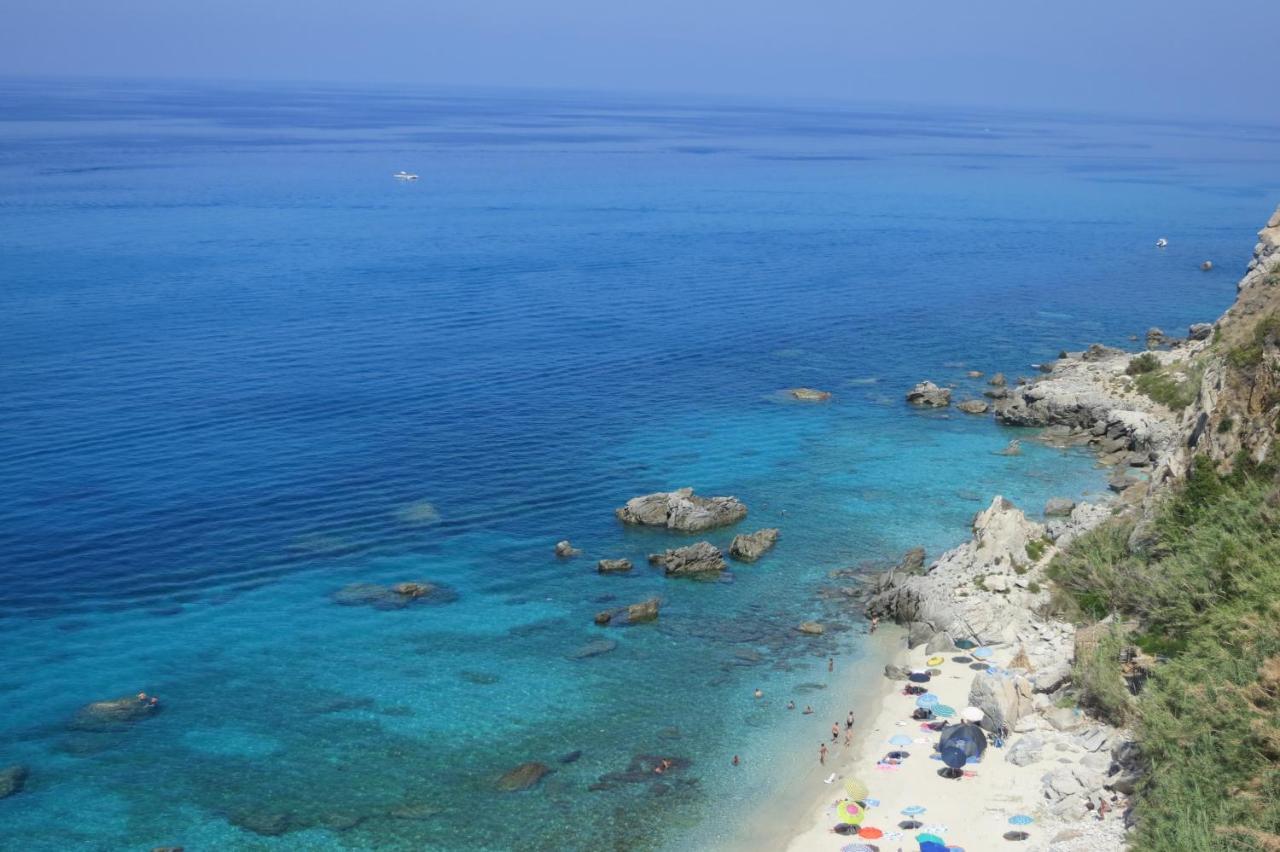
x,y
831,664
848,723
835,732
822,753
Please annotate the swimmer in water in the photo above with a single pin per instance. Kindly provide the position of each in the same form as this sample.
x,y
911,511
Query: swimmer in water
x,y
791,705
759,693
735,760
808,711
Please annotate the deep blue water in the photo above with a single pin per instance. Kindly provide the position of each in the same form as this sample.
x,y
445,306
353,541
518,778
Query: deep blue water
x,y
243,367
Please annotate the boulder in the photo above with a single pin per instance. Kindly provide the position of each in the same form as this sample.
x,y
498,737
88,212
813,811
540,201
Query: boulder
x,y
1052,676
613,566
811,628
1002,699
604,617
114,714
749,548
893,672
700,558
565,550
638,613
1200,331
939,643
809,394
998,380
973,406
919,632
12,780
996,583
1068,788
912,561
1155,337
413,590
682,510
1013,448
1026,750
1059,506
930,395
523,777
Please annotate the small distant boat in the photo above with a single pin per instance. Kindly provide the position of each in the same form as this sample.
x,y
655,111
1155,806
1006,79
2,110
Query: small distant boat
x,y
403,175
1162,243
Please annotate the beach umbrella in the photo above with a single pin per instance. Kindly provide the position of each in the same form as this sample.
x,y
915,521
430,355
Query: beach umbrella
x,y
933,661
850,813
983,653
899,739
870,832
913,810
971,714
910,824
858,847
930,846
926,837
898,755
927,699
1015,835
918,677
856,789
961,742
962,659
944,710
1020,819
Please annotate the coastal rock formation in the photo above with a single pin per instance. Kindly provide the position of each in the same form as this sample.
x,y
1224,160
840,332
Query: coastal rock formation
x,y
750,547
700,558
565,550
12,780
1200,331
682,510
998,380
397,596
973,406
613,566
114,714
523,777
809,394
811,628
929,395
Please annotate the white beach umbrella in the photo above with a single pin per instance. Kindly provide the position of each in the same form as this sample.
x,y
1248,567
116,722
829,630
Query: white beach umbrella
x,y
971,714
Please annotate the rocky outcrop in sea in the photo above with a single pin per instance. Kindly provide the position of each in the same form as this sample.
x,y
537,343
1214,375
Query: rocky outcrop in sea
x,y
682,510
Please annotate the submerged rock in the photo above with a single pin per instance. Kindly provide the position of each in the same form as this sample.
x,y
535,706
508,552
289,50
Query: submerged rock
x,y
682,510
636,613
998,380
613,566
565,550
973,406
593,649
749,548
811,628
700,558
809,394
12,780
266,823
398,596
930,395
523,777
114,714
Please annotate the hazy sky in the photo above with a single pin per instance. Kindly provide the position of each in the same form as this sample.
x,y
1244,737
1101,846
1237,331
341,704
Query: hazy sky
x,y
1161,57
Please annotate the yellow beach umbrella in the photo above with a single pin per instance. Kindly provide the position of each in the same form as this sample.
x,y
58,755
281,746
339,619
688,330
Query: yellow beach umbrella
x,y
856,789
851,813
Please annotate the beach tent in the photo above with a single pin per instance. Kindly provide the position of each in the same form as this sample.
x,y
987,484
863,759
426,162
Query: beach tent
x,y
961,742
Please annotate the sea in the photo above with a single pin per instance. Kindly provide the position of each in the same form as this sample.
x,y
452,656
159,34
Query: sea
x,y
242,367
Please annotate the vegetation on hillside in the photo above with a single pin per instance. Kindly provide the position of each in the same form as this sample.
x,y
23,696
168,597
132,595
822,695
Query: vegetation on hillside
x,y
1204,592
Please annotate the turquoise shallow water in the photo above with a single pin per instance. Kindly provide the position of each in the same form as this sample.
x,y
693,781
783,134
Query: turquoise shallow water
x,y
243,368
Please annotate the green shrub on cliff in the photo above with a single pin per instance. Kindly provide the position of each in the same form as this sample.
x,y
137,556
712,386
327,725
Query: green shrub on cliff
x,y
1144,363
1249,355
1096,574
1175,386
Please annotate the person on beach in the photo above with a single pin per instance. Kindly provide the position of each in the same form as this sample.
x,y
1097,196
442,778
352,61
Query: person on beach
x,y
822,753
848,723
835,732
875,622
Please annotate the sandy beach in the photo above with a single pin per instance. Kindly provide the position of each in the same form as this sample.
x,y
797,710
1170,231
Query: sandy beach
x,y
971,813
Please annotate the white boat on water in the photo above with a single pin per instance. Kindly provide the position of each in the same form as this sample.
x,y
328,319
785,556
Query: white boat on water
x,y
403,175
1162,243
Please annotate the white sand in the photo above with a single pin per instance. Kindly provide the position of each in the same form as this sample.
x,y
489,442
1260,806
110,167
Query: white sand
x,y
971,813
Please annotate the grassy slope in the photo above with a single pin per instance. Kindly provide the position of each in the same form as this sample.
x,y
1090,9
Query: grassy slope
x,y
1207,595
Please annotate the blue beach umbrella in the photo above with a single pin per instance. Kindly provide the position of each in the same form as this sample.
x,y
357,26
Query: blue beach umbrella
x,y
899,739
1020,819
983,653
913,810
930,846
943,710
927,699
